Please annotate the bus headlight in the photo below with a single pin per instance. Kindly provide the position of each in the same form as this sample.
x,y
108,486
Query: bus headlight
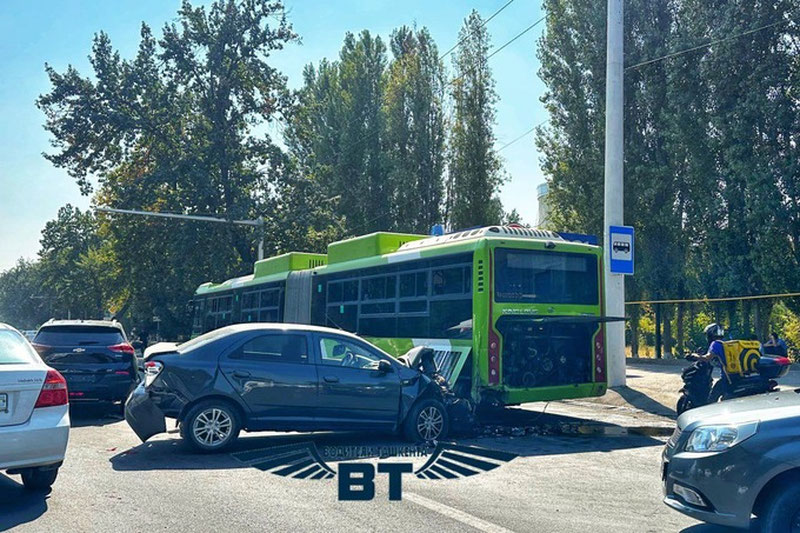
x,y
718,438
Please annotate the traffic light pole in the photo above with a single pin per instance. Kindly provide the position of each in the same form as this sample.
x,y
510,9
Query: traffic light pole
x,y
259,223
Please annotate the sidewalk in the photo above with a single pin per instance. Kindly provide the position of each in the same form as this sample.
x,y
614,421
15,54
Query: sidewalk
x,y
653,385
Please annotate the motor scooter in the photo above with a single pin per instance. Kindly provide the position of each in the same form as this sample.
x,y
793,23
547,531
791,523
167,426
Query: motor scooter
x,y
697,381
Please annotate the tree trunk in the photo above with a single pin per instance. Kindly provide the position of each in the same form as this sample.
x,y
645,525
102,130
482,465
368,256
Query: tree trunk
x,y
667,319
658,331
635,331
747,326
757,320
733,326
680,337
763,309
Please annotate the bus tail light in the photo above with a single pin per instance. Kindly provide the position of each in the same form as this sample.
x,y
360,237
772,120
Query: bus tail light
x,y
600,355
494,357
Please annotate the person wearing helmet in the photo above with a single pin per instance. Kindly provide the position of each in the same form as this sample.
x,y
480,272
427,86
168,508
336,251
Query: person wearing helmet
x,y
716,351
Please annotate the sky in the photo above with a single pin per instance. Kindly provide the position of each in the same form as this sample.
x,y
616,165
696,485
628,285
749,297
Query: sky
x,y
59,32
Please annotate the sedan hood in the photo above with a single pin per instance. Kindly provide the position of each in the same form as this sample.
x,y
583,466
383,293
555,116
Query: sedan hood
x,y
761,407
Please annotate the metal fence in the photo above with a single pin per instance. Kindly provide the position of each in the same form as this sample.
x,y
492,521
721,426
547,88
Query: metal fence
x,y
670,328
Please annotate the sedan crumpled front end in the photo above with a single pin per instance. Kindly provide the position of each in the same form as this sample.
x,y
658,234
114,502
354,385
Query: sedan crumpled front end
x,y
421,378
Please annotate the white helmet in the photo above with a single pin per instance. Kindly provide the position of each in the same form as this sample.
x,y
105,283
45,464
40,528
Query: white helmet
x,y
714,331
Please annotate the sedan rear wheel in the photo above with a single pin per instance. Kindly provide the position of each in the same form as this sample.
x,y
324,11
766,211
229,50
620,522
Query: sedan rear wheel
x,y
210,426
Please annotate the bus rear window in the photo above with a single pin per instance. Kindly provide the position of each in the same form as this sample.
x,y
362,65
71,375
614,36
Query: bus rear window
x,y
532,276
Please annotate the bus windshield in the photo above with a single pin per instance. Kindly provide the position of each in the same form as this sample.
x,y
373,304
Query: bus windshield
x,y
535,276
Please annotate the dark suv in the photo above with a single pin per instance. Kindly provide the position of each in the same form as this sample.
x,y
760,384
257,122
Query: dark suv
x,y
94,356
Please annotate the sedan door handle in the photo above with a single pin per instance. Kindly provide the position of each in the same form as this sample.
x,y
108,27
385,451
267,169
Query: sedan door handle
x,y
331,379
241,374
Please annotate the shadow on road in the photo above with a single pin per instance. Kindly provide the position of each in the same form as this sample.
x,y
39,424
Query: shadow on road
x,y
550,435
709,528
91,414
17,505
644,402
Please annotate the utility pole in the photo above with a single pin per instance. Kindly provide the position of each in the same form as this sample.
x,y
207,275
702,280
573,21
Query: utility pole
x,y
258,223
613,204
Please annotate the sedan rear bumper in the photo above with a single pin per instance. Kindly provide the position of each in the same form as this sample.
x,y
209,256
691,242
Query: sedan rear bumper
x,y
142,415
41,441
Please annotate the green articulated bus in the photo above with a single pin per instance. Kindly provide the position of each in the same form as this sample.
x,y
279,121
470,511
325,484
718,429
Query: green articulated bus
x,y
514,314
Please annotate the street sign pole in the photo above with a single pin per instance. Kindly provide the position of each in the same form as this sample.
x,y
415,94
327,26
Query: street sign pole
x,y
613,205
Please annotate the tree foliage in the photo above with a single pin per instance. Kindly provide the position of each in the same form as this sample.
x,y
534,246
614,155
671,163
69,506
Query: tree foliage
x,y
474,172
711,157
179,128
370,131
186,125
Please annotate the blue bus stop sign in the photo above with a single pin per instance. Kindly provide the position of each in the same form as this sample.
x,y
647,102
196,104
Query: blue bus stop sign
x,y
620,240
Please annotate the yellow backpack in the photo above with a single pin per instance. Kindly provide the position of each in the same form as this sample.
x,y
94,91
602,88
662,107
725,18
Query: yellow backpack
x,y
741,357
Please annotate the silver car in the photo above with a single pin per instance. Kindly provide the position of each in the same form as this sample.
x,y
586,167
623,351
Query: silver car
x,y
730,461
34,413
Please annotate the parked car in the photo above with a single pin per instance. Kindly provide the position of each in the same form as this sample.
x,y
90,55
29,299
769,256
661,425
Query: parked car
x,y
94,356
34,413
728,461
283,377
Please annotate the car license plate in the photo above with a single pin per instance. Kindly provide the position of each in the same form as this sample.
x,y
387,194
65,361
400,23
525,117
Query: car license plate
x,y
80,379
3,403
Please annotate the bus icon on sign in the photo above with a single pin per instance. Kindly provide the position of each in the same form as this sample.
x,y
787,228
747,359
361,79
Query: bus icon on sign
x,y
621,250
622,246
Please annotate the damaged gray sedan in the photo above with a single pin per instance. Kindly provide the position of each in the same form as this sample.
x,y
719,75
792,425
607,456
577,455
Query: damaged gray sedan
x,y
284,377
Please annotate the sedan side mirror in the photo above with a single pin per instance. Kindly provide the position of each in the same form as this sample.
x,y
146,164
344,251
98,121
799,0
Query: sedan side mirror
x,y
385,366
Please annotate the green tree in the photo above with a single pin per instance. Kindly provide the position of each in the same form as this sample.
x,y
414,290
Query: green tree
x,y
474,171
24,302
415,129
180,127
336,133
710,157
72,265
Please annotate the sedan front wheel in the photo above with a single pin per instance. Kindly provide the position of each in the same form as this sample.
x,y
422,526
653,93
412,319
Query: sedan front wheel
x,y
427,421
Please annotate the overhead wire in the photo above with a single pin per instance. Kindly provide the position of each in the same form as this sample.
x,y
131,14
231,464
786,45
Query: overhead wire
x,y
495,52
485,22
705,45
721,299
368,135
665,57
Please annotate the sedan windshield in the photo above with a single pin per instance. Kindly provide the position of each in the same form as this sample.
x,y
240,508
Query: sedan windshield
x,y
15,349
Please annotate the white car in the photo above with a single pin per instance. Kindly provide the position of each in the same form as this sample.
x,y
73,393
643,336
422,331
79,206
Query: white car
x,y
34,413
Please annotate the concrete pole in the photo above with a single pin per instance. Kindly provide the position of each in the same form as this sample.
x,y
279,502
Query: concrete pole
x,y
614,283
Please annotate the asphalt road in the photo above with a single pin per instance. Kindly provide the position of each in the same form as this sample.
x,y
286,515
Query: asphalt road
x,y
111,482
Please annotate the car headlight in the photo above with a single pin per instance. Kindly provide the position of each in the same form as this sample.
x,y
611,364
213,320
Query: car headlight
x,y
720,437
